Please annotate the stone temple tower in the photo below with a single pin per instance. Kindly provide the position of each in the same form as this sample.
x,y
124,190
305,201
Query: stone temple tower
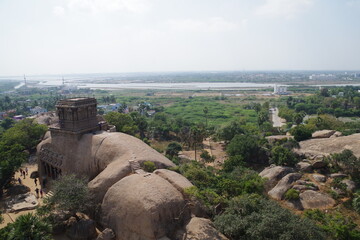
x,y
77,117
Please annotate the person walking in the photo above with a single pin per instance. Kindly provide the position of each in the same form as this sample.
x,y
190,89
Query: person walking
x,y
21,171
27,171
35,181
41,192
37,192
19,180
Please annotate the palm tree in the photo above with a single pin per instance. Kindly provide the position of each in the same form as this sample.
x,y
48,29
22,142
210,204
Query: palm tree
x,y
27,227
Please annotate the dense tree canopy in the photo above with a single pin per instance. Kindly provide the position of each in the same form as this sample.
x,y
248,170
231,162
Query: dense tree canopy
x,y
253,217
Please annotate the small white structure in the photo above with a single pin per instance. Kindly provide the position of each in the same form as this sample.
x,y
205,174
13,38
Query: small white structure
x,y
280,90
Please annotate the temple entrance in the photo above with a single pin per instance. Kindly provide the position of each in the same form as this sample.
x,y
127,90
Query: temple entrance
x,y
50,171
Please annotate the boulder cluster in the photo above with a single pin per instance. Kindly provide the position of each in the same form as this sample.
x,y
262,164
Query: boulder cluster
x,y
312,189
134,204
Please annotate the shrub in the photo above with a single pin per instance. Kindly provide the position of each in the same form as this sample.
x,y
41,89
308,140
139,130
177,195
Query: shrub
x,y
248,147
301,133
173,149
206,156
356,202
253,217
292,194
72,194
336,225
283,156
149,166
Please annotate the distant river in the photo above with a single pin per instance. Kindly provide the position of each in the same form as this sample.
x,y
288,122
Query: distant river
x,y
166,85
184,86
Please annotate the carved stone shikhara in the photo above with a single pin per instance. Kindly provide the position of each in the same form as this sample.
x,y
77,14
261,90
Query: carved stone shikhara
x,y
77,116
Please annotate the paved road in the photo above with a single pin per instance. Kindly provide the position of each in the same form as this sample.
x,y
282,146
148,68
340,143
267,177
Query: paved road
x,y
277,121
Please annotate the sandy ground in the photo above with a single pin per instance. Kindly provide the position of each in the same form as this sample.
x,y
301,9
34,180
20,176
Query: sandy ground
x,y
11,217
214,148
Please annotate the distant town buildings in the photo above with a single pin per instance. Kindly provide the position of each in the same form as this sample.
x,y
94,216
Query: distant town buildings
x,y
322,77
280,90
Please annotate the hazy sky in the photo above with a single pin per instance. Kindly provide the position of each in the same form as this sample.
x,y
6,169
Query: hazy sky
x,y
88,36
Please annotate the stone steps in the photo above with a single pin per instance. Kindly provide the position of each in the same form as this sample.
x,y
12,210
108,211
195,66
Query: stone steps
x,y
49,194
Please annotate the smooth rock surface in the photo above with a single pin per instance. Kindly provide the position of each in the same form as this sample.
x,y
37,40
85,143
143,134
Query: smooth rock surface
x,y
143,207
304,187
310,200
26,201
338,175
273,174
177,180
326,146
304,166
319,164
283,185
103,157
202,229
323,134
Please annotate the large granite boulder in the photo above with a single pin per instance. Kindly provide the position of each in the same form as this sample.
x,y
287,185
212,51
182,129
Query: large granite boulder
x,y
21,202
310,200
143,207
102,156
304,166
323,134
177,180
202,229
273,174
283,185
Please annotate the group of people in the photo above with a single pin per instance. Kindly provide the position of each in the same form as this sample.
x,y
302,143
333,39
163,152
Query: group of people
x,y
23,173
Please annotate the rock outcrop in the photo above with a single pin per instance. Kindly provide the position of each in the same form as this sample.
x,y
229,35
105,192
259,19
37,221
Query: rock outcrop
x,y
144,207
319,178
283,185
273,174
323,134
326,146
177,180
103,157
201,229
304,166
311,199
